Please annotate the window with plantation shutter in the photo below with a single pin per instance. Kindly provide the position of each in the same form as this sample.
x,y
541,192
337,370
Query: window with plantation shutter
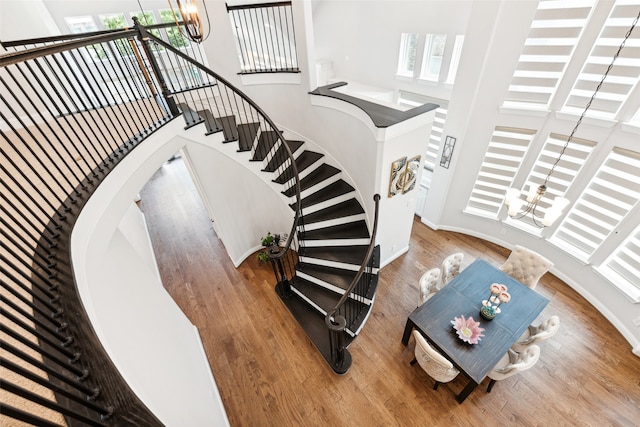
x,y
565,172
501,162
611,194
554,33
623,266
622,77
433,148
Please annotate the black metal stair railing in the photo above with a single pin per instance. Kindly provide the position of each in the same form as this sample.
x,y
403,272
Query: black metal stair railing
x,y
207,98
265,37
66,120
348,309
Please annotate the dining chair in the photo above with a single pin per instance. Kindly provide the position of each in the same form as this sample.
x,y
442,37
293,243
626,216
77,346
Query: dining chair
x,y
432,362
428,285
526,266
537,334
513,363
451,267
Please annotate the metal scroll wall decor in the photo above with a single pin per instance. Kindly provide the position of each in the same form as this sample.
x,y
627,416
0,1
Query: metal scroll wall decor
x,y
404,173
447,151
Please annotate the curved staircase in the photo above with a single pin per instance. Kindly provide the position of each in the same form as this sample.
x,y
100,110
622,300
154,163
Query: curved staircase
x,y
333,236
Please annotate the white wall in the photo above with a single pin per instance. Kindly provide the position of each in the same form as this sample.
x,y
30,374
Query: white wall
x,y
221,175
362,37
151,342
21,19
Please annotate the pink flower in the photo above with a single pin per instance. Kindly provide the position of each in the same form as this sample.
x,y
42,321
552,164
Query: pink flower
x,y
504,297
495,288
503,288
468,330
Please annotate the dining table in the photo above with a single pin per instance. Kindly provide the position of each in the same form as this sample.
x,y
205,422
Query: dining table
x,y
464,296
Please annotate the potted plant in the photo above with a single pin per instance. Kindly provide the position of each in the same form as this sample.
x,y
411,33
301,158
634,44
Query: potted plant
x,y
267,241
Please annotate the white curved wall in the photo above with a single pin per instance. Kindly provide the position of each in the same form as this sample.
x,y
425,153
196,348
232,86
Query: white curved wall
x,y
151,342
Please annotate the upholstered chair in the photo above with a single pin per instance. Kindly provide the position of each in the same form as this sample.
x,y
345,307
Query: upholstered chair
x,y
451,267
526,266
432,362
513,363
429,285
537,334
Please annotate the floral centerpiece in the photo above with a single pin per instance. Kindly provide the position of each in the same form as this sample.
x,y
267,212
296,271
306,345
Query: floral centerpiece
x,y
499,295
468,330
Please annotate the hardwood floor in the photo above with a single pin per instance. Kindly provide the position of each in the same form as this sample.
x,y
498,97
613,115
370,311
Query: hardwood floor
x,y
269,373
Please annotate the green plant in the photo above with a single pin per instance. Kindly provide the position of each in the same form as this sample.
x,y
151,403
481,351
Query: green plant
x,y
267,241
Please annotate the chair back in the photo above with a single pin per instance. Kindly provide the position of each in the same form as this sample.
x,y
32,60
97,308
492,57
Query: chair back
x,y
428,285
517,362
526,266
451,267
537,334
432,362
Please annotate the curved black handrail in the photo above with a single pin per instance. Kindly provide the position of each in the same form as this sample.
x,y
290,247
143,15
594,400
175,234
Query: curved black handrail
x,y
336,323
62,134
273,127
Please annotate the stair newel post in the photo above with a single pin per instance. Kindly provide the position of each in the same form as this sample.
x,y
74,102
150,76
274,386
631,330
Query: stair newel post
x,y
283,285
337,325
167,101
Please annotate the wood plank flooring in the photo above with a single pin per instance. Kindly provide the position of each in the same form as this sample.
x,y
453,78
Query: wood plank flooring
x,y
269,373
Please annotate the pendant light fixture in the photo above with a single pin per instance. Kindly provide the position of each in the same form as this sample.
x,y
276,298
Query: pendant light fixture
x,y
519,208
191,19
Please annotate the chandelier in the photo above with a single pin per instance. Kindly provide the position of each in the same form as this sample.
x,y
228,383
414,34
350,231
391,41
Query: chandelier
x,y
191,19
519,208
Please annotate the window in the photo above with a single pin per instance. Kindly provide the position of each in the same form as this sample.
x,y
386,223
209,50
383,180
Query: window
x,y
407,57
455,59
81,24
433,148
86,24
565,172
623,266
116,22
610,196
432,59
555,31
500,165
174,35
623,76
265,37
146,19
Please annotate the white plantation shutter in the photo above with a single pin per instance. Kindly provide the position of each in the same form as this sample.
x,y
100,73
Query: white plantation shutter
x,y
624,75
502,160
433,148
623,266
612,193
565,172
554,33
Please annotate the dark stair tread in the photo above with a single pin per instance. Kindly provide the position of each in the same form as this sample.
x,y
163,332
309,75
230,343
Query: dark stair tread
x,y
313,324
326,299
345,254
333,190
229,128
347,208
303,161
280,155
338,277
191,117
266,141
246,135
213,125
350,230
321,173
